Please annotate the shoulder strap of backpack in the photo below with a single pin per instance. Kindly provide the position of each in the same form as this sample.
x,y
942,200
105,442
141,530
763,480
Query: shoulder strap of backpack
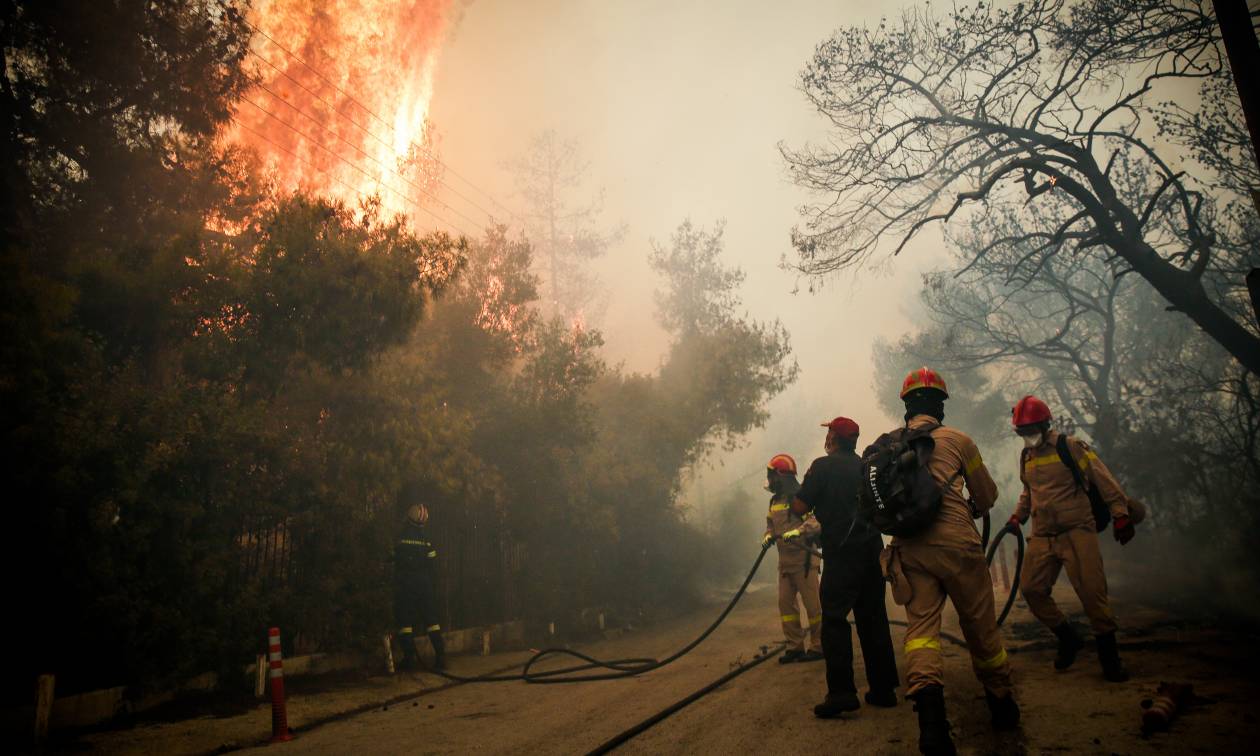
x,y
926,431
1065,456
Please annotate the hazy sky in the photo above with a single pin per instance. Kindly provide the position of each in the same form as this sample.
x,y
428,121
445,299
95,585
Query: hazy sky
x,y
679,107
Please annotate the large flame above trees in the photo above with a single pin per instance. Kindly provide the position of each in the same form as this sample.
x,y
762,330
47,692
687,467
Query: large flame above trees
x,y
346,86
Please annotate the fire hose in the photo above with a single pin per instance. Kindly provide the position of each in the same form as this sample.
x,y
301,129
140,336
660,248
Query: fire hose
x,y
989,554
1019,562
617,669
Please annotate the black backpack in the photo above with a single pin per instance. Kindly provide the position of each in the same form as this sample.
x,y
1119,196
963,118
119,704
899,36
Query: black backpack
x,y
899,496
1102,513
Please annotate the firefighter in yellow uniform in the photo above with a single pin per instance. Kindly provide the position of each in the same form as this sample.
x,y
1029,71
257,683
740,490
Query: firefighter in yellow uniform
x,y
793,528
947,561
1065,533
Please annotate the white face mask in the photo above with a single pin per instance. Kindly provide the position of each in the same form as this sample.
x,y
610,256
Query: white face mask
x,y
1032,441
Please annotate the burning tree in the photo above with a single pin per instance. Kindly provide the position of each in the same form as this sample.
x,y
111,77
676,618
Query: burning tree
x,y
935,118
342,96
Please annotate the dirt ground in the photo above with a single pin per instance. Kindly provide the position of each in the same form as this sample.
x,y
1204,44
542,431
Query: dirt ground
x,y
767,709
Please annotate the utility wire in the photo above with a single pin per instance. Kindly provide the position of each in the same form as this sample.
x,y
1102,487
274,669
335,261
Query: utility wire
x,y
321,145
356,124
356,148
372,113
333,176
359,126
318,143
343,160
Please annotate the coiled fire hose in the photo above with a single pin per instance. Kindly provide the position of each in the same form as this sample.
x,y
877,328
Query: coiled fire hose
x,y
617,668
633,666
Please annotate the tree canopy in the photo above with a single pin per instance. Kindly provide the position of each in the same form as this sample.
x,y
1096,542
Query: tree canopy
x,y
937,117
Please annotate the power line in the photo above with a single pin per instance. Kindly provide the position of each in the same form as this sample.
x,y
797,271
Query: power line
x,y
320,144
371,112
360,150
358,125
364,129
334,177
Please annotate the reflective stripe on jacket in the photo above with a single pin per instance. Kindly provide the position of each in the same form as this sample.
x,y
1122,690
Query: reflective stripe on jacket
x,y
779,520
1051,496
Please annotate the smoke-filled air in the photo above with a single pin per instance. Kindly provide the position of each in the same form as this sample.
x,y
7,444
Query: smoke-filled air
x,y
570,376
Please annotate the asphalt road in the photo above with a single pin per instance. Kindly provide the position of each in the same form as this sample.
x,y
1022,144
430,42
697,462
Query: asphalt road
x,y
768,708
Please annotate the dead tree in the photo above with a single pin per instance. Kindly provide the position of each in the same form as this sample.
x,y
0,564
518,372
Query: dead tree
x,y
1054,323
934,117
564,231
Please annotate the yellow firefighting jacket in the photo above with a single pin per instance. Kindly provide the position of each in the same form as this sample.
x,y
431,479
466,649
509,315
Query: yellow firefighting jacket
x,y
779,520
1051,495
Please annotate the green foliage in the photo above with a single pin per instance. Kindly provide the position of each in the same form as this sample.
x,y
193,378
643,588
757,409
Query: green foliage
x,y
700,292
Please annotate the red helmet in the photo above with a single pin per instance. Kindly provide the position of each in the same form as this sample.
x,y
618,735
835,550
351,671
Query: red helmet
x,y
1029,411
842,427
923,378
782,463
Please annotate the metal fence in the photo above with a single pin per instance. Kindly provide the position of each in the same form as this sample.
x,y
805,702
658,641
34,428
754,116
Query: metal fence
x,y
479,567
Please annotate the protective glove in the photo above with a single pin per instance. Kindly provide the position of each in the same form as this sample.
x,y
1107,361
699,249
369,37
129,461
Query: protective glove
x,y
767,539
792,535
1123,529
1012,525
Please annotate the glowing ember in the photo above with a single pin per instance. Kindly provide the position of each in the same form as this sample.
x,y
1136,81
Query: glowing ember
x,y
343,100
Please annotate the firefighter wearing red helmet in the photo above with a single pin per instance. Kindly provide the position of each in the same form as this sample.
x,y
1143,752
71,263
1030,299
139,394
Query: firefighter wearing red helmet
x,y
946,561
852,583
1064,532
793,528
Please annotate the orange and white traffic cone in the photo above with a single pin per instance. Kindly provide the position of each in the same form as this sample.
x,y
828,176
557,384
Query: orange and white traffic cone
x,y
279,713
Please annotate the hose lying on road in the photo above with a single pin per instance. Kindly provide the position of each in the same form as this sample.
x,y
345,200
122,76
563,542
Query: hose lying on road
x,y
630,667
618,668
674,708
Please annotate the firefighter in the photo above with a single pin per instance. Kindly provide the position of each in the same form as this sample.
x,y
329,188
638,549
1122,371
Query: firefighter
x,y
1064,533
793,527
415,567
946,561
852,581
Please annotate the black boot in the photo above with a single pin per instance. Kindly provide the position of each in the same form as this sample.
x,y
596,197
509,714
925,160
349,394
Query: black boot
x,y
934,738
791,655
883,698
1109,657
410,659
1069,644
1004,710
836,704
439,650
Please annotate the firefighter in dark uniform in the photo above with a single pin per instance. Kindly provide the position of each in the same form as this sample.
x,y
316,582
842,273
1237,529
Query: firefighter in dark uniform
x,y
415,607
851,578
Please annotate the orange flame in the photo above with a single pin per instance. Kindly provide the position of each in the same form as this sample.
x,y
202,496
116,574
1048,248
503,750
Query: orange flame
x,y
343,98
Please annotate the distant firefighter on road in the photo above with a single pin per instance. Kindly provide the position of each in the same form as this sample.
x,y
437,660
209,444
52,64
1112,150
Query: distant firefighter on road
x,y
415,604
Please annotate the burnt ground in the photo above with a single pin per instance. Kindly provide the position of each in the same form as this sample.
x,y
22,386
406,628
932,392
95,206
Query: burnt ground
x,y
765,709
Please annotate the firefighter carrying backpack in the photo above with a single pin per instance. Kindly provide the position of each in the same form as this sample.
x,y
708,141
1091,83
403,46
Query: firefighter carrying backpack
x,y
1102,513
899,496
